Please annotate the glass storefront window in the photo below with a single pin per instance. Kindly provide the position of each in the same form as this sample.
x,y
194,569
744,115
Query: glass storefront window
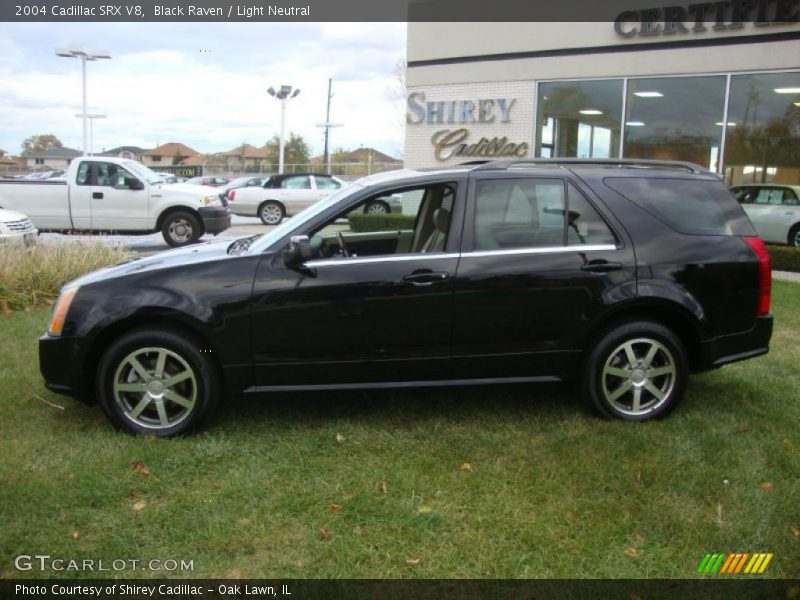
x,y
675,118
579,119
763,139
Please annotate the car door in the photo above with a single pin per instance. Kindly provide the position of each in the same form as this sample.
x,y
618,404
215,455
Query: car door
x,y
381,314
119,199
537,260
325,186
80,196
297,193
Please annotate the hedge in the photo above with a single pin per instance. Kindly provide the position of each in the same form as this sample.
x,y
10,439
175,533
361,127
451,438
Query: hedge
x,y
360,222
784,258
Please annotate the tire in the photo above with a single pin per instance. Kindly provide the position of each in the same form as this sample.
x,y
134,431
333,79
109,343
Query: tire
x,y
378,207
140,400
794,236
181,228
613,378
271,212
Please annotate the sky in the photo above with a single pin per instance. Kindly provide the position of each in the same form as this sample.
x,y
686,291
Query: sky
x,y
203,84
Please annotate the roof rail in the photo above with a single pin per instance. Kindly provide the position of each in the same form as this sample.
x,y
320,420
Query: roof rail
x,y
632,163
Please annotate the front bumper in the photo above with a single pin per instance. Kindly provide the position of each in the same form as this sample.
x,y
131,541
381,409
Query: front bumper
x,y
740,346
62,369
215,218
18,239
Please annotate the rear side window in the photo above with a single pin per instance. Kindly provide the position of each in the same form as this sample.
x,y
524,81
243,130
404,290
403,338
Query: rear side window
x,y
691,206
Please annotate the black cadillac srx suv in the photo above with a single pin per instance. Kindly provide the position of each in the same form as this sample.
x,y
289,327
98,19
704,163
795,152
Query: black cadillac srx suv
x,y
627,275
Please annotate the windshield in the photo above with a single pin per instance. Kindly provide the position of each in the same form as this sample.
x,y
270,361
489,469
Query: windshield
x,y
288,225
145,173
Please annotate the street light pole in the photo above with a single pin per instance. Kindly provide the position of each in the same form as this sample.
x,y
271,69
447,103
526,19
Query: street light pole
x,y
91,119
284,94
85,56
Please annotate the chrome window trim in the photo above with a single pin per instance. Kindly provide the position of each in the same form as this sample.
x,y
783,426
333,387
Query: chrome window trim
x,y
474,254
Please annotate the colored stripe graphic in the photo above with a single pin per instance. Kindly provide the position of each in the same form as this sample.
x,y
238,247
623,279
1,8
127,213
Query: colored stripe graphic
x,y
734,563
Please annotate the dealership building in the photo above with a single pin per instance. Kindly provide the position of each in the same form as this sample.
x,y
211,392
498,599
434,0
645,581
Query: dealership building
x,y
715,84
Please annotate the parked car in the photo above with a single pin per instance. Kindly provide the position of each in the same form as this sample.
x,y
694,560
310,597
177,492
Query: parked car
x,y
211,181
282,196
625,278
16,228
240,182
774,210
170,178
117,195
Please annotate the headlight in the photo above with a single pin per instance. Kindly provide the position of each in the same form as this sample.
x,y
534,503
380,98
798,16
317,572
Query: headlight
x,y
211,201
60,311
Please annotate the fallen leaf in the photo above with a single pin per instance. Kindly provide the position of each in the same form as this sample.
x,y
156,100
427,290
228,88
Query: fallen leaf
x,y
796,532
335,507
384,488
92,501
140,467
742,429
639,538
630,552
766,485
412,561
465,467
137,508
339,438
325,533
133,494
75,535
424,509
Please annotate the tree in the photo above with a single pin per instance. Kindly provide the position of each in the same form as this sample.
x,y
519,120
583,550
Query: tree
x,y
295,149
41,143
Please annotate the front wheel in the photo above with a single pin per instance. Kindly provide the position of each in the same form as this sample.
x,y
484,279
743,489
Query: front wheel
x,y
637,371
377,207
271,213
794,236
157,382
181,228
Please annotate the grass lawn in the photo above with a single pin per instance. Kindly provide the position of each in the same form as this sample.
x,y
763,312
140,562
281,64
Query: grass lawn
x,y
483,482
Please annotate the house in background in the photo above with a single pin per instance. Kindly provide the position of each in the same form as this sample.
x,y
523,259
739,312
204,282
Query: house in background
x,y
167,155
57,159
131,152
249,159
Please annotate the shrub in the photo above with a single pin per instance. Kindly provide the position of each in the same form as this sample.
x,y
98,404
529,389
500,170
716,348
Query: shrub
x,y
784,258
33,276
360,222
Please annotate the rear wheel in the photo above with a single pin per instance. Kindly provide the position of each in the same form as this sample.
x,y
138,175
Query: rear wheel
x,y
157,382
637,371
181,228
378,207
271,213
794,236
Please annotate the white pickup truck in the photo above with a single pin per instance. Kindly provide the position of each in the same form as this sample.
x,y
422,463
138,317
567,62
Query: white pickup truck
x,y
117,195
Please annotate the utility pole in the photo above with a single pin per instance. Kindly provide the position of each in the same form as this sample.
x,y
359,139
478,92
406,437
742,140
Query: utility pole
x,y
327,126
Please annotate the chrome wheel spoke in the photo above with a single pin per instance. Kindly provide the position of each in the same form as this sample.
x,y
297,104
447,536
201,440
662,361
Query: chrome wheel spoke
x,y
665,370
637,399
617,372
160,362
162,412
654,390
629,353
178,399
145,400
624,387
137,366
176,379
651,354
131,387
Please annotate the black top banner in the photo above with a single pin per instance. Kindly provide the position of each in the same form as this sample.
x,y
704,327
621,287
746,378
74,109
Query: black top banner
x,y
766,11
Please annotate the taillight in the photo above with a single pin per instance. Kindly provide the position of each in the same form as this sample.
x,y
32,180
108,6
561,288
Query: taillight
x,y
232,195
764,273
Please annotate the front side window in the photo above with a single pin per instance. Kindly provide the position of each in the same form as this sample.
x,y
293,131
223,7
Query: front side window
x,y
297,183
519,213
111,175
422,226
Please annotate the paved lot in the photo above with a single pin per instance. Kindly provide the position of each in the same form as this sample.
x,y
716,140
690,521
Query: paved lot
x,y
150,244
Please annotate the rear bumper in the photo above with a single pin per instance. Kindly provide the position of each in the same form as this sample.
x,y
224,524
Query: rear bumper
x,y
60,366
733,348
215,218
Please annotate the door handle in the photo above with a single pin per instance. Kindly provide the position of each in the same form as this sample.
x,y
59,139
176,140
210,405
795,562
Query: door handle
x,y
425,277
97,195
601,266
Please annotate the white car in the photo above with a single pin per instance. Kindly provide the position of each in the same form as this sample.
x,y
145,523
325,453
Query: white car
x,y
774,210
282,196
16,228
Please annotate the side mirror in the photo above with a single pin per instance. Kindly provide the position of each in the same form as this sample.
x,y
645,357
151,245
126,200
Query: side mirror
x,y
131,183
298,251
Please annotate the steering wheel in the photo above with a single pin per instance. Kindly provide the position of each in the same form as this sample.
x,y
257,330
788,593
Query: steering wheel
x,y
342,244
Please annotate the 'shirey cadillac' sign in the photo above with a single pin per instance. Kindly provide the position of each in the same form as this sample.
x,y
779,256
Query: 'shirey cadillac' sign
x,y
454,142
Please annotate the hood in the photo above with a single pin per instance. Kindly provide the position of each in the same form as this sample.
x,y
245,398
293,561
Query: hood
x,y
11,215
188,191
197,253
